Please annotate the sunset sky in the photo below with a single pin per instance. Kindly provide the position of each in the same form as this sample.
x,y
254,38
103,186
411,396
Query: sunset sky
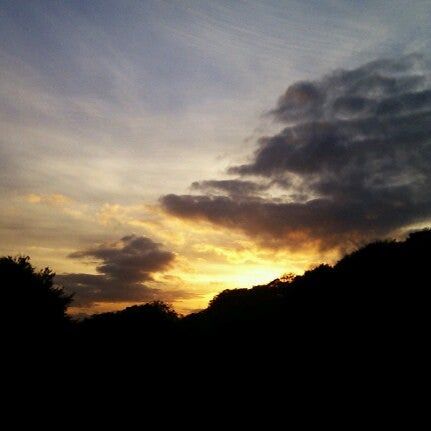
x,y
172,149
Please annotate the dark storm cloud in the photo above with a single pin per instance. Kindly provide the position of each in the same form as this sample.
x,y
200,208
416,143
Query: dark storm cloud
x,y
354,160
400,85
124,267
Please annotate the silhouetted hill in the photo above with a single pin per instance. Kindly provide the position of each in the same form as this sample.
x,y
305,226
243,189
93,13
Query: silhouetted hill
x,y
372,300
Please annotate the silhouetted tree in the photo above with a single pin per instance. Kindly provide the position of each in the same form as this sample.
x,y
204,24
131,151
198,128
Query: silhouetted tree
x,y
32,306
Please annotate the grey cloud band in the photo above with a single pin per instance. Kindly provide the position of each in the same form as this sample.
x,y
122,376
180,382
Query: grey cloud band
x,y
354,161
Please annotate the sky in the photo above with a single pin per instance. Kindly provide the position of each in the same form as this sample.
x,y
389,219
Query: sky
x,y
167,150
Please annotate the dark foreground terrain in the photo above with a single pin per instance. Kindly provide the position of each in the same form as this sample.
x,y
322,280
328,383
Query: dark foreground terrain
x,y
372,304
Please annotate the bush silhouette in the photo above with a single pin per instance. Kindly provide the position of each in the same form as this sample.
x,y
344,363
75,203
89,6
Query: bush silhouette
x,y
134,327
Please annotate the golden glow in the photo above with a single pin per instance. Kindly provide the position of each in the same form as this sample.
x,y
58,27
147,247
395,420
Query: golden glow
x,y
208,259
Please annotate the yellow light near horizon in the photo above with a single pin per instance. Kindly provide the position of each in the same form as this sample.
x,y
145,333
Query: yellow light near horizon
x,y
208,259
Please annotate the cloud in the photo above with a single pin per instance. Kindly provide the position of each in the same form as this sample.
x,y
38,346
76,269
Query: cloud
x,y
124,266
54,199
382,87
235,187
353,162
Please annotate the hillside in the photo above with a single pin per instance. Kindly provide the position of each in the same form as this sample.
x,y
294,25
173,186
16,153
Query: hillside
x,y
373,297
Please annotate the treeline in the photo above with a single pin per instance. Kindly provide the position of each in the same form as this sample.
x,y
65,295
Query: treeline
x,y
372,298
